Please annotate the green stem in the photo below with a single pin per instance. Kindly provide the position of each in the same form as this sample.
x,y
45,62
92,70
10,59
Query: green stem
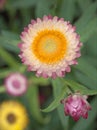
x,y
4,72
37,81
76,87
58,86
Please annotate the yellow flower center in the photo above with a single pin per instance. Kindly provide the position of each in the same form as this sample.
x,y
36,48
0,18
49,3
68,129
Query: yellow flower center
x,y
49,46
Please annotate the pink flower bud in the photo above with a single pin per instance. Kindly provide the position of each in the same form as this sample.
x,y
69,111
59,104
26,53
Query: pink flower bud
x,y
76,105
16,84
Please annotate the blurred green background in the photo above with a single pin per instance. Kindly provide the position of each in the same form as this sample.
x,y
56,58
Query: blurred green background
x,y
14,16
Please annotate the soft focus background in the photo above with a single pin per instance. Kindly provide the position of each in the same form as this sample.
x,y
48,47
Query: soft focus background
x,y
14,16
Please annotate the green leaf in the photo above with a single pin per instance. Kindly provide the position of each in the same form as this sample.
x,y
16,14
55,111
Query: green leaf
x,y
92,58
9,41
87,69
67,9
91,47
4,72
2,89
84,4
86,17
8,58
92,126
28,13
88,30
87,81
9,34
79,88
43,8
22,3
2,23
83,124
33,99
58,86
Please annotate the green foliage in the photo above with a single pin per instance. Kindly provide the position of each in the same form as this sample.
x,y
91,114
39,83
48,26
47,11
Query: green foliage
x,y
83,77
57,88
67,9
32,96
40,11
9,41
22,3
87,15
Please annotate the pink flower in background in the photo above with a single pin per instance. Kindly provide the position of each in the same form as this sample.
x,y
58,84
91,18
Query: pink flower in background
x,y
42,98
76,105
16,84
49,46
2,3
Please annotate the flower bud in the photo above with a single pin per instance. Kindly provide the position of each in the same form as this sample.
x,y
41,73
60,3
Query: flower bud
x,y
76,105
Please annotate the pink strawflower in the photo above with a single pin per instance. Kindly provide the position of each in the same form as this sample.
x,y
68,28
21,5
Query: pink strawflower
x,y
76,105
16,84
49,46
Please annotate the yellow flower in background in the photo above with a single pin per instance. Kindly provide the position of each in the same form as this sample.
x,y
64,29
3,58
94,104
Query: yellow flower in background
x,y
13,116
